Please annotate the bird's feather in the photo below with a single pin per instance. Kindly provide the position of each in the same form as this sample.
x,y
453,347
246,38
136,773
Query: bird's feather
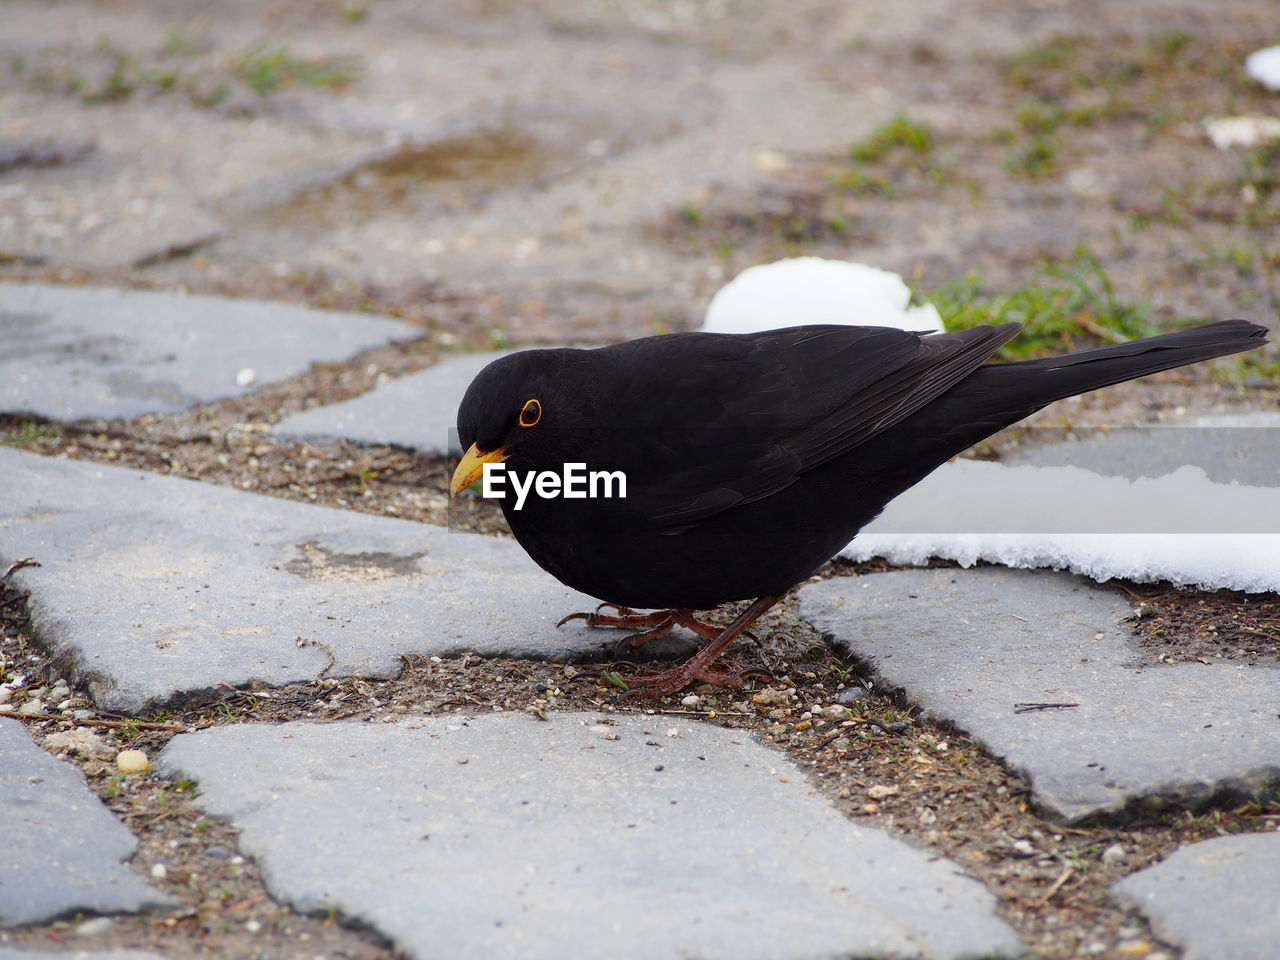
x,y
762,409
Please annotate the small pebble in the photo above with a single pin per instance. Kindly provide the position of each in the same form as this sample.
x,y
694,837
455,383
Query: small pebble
x,y
1024,847
94,927
1140,948
159,871
132,761
245,377
253,926
217,852
35,705
692,700
1114,853
769,697
6,694
881,790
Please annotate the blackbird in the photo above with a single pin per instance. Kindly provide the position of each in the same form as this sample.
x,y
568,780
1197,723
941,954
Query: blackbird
x,y
751,459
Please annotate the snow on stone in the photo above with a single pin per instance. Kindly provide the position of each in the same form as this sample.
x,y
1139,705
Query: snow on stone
x,y
1264,66
805,290
1181,527
1229,132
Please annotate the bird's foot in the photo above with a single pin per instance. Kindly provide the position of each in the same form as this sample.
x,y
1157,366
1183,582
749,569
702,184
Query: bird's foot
x,y
673,681
651,625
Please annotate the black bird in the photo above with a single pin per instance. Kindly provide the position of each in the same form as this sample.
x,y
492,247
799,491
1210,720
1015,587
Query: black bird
x,y
752,459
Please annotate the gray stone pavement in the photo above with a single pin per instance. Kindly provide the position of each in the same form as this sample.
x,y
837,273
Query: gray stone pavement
x,y
64,851
418,411
155,587
69,353
496,837
968,646
1215,899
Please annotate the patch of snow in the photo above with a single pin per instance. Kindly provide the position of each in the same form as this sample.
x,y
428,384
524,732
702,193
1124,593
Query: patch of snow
x,y
806,290
1228,132
1181,527
1264,66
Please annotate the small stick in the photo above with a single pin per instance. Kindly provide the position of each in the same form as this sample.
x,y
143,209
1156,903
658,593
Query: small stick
x,y
1057,885
114,724
1029,707
831,739
18,565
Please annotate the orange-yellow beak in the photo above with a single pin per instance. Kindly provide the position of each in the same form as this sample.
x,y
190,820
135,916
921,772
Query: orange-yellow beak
x,y
472,466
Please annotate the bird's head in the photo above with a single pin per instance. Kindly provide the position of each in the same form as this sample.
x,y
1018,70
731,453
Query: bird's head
x,y
525,410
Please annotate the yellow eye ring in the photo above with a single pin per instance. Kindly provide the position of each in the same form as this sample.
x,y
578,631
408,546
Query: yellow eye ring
x,y
531,413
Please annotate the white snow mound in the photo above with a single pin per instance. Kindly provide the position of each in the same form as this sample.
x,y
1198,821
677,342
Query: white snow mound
x,y
805,290
1264,66
1181,527
1228,132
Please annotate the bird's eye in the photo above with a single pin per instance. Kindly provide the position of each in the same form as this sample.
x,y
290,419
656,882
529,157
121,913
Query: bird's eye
x,y
531,413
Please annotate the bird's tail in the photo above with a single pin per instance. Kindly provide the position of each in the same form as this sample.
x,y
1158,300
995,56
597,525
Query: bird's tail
x,y
1040,382
999,394
1011,391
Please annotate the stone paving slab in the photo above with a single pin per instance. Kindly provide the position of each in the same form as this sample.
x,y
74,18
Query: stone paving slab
x,y
505,837
153,586
69,353
418,411
1215,899
64,851
966,645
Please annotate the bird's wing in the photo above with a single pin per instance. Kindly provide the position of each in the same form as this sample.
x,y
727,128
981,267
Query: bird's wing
x,y
734,419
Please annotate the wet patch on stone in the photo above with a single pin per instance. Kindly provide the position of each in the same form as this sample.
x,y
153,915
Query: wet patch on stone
x,y
316,562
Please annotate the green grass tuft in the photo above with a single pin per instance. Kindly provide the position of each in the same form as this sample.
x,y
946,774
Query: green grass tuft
x,y
266,69
1074,304
898,132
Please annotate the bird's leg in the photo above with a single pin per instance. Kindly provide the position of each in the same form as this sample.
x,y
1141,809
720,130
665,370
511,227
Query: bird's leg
x,y
651,625
699,667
